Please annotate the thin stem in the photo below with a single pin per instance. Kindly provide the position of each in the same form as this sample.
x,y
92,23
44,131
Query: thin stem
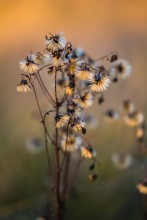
x,y
74,175
53,102
46,141
46,148
66,174
43,67
37,101
43,122
101,58
65,152
41,86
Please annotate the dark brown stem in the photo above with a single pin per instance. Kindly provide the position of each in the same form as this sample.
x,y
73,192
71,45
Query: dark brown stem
x,y
66,175
65,152
46,142
64,99
59,203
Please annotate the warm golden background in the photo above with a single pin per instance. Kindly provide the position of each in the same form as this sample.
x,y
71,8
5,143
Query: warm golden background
x,y
99,27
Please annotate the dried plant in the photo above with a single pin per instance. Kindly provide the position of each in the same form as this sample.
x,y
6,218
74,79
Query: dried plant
x,y
78,81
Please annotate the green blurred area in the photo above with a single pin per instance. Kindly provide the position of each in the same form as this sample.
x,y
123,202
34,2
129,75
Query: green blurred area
x,y
99,27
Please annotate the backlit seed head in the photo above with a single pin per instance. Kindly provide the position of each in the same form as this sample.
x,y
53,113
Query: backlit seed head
x,y
69,90
28,65
23,87
34,145
122,161
84,101
128,106
92,177
88,152
142,187
62,121
121,69
78,125
72,143
134,119
99,83
83,74
139,134
55,42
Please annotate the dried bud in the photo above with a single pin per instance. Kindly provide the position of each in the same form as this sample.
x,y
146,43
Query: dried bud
x,y
92,166
50,70
115,80
92,177
83,130
101,100
113,58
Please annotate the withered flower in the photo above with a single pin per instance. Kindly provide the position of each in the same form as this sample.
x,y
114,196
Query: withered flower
x,y
142,187
88,152
99,82
61,121
84,72
93,177
122,161
72,143
84,101
23,86
134,119
120,69
28,65
55,42
78,125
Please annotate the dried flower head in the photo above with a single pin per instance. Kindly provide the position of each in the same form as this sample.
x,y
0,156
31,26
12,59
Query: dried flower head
x,y
92,177
83,74
74,65
120,69
128,106
134,119
122,161
61,121
71,143
99,82
69,90
55,42
78,125
28,65
23,86
142,187
57,59
84,101
51,70
34,145
88,152
42,58
139,132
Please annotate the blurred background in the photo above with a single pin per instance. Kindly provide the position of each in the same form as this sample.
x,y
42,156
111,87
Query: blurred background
x,y
99,27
